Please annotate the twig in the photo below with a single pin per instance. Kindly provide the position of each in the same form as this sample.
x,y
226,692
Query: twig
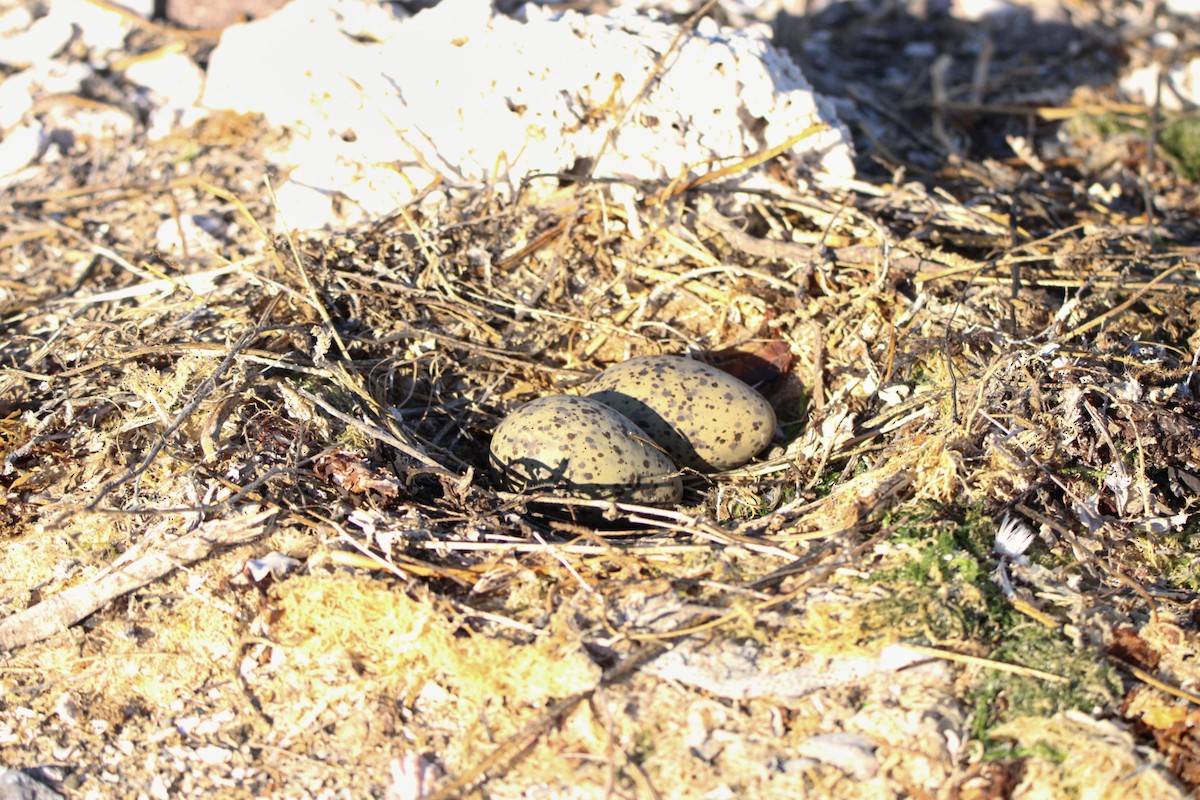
x,y
744,164
374,431
314,298
987,663
690,628
1112,312
1163,686
251,355
642,550
745,243
71,605
207,387
664,518
655,73
524,740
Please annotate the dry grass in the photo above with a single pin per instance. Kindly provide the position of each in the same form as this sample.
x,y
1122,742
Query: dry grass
x,y
985,340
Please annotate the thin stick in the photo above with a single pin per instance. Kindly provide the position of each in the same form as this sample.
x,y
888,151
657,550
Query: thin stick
x,y
374,431
749,162
817,575
1163,686
207,387
1048,113
1087,326
572,549
987,663
654,75
314,299
520,743
558,556
68,607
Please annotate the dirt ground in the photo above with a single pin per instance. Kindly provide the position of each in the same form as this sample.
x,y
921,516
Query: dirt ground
x,y
252,546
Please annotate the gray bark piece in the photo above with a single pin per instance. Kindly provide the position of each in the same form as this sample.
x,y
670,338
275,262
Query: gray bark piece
x,y
17,784
59,612
734,671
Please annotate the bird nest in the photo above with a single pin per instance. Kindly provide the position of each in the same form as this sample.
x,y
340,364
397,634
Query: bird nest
x,y
253,545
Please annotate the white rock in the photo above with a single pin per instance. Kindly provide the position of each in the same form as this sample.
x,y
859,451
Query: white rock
x,y
976,10
43,39
1167,40
1183,7
165,120
174,82
14,20
212,754
471,96
740,12
102,29
304,207
19,91
24,786
852,753
296,66
19,148
1180,89
140,8
173,77
23,45
191,234
70,122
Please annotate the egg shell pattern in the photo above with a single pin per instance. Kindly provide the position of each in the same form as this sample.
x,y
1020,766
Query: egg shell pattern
x,y
581,448
705,418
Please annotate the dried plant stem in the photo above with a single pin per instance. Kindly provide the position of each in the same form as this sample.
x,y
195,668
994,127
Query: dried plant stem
x,y
1163,686
987,663
744,164
374,431
1123,307
655,73
520,743
64,609
204,390
642,550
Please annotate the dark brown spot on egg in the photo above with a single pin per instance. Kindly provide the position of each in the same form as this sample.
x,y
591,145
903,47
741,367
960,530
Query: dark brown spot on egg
x,y
580,447
695,412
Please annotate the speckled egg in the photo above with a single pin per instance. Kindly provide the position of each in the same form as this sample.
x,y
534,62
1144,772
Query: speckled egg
x,y
705,418
581,448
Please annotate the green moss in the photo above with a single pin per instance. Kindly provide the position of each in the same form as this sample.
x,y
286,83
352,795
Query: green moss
x,y
941,592
1002,696
795,421
944,541
1106,126
1173,558
1181,141
1179,137
1090,682
1184,572
938,577
836,475
1006,749
643,746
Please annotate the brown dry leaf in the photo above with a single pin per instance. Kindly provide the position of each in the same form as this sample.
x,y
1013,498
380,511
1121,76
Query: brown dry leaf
x,y
1156,709
354,474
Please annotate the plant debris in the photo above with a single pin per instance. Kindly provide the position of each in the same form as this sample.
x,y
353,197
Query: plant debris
x,y
252,546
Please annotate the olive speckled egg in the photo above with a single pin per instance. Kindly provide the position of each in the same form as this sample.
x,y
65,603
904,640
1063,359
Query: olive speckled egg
x,y
581,448
705,418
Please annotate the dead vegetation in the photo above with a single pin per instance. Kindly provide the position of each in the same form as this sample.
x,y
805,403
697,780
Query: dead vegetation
x,y
251,545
